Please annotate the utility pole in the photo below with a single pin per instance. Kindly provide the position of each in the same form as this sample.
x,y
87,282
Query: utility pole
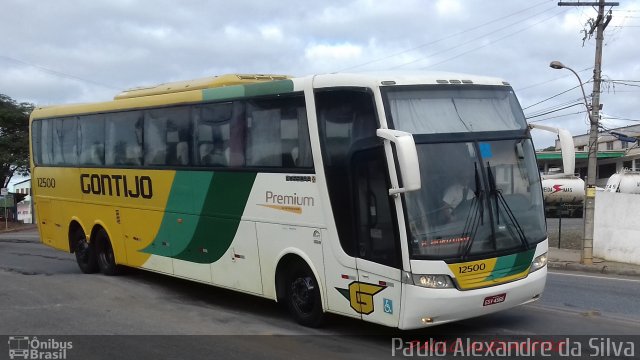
x,y
590,185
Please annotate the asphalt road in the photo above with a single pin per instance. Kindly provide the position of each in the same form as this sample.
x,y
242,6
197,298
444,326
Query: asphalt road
x,y
44,293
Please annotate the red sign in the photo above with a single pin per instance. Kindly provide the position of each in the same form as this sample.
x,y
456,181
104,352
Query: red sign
x,y
495,299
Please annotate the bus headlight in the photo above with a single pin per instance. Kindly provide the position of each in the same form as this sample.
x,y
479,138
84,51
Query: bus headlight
x,y
433,281
538,263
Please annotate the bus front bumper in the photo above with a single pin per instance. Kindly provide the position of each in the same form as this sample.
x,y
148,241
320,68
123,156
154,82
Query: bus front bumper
x,y
423,307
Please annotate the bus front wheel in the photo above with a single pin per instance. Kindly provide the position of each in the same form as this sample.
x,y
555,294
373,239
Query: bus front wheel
x,y
105,255
303,296
85,253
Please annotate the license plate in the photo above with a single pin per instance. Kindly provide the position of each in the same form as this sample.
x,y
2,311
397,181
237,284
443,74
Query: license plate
x,y
495,299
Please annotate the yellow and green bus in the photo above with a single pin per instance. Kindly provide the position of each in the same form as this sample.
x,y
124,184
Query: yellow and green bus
x,y
404,199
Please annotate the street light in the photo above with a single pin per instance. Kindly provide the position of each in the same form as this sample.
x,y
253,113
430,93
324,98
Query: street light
x,y
590,191
558,65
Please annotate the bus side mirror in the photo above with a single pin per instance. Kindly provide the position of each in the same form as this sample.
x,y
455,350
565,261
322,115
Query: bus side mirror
x,y
407,159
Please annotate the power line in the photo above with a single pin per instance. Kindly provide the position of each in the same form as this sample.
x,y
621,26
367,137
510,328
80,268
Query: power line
x,y
625,84
554,96
58,73
473,40
494,41
622,119
557,107
558,116
550,112
548,81
443,38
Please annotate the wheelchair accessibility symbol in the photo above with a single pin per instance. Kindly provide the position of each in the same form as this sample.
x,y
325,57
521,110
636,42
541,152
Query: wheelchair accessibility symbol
x,y
388,306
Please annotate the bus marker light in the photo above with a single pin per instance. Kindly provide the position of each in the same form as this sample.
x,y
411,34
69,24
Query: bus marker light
x,y
427,320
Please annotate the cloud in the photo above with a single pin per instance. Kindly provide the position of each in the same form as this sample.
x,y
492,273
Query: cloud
x,y
107,44
448,8
332,52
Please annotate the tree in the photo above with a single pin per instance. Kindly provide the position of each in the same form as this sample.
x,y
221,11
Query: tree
x,y
14,138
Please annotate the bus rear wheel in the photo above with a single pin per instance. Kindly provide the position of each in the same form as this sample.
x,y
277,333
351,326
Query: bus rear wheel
x,y
85,253
303,296
105,255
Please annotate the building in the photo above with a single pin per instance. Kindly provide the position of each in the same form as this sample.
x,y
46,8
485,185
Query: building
x,y
24,208
613,154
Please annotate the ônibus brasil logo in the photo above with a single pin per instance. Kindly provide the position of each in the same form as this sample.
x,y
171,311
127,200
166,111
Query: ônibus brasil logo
x,y
32,348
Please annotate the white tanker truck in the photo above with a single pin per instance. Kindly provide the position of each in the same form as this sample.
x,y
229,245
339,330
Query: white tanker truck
x,y
625,181
563,195
563,192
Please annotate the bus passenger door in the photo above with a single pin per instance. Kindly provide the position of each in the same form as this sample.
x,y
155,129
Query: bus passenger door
x,y
378,254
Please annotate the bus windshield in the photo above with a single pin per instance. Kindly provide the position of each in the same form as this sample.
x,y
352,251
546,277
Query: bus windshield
x,y
454,109
476,198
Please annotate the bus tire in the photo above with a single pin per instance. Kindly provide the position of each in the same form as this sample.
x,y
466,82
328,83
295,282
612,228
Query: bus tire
x,y
85,253
105,255
303,296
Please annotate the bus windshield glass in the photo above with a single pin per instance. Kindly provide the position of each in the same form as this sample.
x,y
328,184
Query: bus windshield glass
x,y
476,198
454,109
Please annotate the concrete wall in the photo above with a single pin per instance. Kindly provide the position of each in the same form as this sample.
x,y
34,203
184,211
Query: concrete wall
x,y
617,227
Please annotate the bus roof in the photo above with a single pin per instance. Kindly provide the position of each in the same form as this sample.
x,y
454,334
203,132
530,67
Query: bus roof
x,y
391,78
232,86
198,84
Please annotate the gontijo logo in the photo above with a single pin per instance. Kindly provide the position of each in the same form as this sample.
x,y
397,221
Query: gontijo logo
x,y
360,296
117,185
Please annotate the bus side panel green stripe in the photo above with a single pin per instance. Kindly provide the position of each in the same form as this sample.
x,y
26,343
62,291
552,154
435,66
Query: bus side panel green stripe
x,y
222,93
220,217
187,197
239,91
269,88
511,265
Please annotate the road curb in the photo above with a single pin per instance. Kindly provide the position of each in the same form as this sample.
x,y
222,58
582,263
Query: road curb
x,y
22,228
599,269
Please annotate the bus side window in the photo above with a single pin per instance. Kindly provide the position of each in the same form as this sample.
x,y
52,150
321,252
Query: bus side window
x,y
36,141
46,146
65,141
213,122
167,136
155,140
124,138
277,133
264,145
91,140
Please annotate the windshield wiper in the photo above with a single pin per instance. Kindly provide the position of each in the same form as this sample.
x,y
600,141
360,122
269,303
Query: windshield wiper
x,y
476,212
499,199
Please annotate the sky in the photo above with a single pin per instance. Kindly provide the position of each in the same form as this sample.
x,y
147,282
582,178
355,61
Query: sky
x,y
70,51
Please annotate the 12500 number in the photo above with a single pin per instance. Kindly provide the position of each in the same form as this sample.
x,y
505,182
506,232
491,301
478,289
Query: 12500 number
x,y
46,182
471,268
